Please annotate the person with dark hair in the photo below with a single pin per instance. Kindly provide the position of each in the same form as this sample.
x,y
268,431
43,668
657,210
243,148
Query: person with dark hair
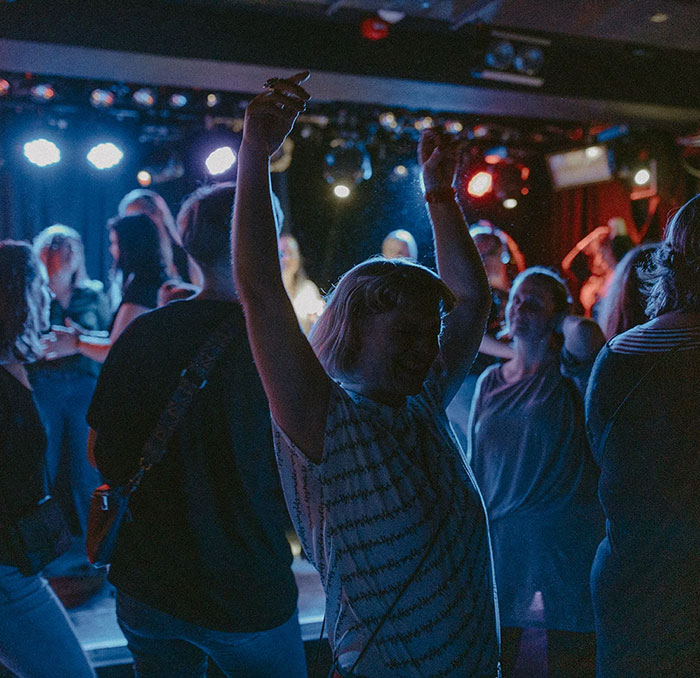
x,y
152,204
377,489
643,420
63,387
36,637
625,304
202,570
530,457
135,249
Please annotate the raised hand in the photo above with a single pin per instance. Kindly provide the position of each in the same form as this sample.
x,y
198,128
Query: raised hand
x,y
438,153
270,116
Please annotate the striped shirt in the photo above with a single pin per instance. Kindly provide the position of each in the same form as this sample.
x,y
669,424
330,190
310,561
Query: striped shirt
x,y
645,339
366,515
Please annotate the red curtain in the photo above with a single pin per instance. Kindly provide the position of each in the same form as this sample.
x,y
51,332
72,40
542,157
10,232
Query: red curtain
x,y
577,211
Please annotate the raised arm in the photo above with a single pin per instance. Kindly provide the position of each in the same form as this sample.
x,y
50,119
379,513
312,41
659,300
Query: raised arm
x,y
458,261
296,384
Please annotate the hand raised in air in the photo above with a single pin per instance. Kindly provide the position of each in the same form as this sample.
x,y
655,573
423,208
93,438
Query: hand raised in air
x,y
438,153
270,116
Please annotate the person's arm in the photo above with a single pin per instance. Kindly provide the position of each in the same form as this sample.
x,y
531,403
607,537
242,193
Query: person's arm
x,y
296,384
65,341
583,340
458,261
498,349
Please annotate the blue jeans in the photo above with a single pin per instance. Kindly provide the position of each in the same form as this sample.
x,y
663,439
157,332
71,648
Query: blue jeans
x,y
63,398
164,646
36,636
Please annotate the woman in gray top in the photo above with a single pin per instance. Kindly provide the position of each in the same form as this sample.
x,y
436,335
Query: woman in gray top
x,y
531,460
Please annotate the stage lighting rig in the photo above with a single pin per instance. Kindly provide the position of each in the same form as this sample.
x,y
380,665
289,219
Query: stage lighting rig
x,y
513,58
347,163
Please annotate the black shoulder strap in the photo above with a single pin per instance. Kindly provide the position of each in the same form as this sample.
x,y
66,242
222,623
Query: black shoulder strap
x,y
192,378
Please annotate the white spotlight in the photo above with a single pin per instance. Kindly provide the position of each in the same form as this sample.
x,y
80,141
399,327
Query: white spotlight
x,y
510,203
105,156
42,152
341,191
221,160
642,177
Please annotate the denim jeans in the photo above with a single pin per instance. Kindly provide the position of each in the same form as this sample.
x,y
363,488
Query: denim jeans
x,y
63,398
36,636
164,646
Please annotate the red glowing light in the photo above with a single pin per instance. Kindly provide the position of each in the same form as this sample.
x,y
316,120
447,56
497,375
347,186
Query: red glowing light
x,y
492,159
480,184
524,173
524,190
374,28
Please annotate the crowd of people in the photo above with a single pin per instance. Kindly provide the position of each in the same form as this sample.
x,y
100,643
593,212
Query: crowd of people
x,y
559,489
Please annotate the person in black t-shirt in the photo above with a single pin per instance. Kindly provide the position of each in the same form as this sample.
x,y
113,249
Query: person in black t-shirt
x,y
203,571
36,637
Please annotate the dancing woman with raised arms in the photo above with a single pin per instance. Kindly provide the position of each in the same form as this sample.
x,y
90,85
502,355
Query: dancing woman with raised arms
x,y
378,491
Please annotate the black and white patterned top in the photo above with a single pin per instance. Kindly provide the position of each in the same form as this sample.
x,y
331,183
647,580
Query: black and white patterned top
x,y
389,479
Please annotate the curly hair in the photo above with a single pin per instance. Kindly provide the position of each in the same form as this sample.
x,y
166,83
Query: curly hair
x,y
20,324
674,278
377,285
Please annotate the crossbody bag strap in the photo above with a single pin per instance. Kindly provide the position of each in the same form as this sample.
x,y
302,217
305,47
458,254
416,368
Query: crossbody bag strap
x,y
390,609
192,379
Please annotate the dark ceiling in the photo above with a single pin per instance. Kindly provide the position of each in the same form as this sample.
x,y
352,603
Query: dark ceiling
x,y
604,59
659,23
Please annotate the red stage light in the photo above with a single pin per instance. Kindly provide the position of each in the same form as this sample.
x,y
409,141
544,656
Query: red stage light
x,y
374,28
480,184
